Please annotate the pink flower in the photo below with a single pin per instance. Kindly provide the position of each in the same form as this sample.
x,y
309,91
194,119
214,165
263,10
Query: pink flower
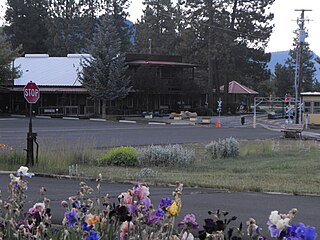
x,y
125,229
128,198
141,191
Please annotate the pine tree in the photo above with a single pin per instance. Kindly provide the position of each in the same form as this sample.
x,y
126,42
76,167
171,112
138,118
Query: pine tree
x,y
27,24
66,33
104,75
118,9
231,34
7,72
283,80
156,31
308,69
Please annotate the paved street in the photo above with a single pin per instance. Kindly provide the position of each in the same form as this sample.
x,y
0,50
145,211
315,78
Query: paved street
x,y
13,131
195,200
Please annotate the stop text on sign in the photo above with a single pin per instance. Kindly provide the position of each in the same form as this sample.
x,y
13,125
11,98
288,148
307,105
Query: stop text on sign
x,y
31,92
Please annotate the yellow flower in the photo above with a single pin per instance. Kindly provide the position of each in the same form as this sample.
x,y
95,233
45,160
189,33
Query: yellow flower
x,y
173,209
92,219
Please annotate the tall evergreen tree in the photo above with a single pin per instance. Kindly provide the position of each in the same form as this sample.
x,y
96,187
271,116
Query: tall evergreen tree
x,y
7,72
283,80
231,34
156,31
104,75
66,34
118,9
306,59
27,24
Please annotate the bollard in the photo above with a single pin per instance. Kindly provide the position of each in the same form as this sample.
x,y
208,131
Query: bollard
x,y
218,124
242,120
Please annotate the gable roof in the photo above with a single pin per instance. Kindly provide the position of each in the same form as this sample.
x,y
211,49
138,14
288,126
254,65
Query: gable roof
x,y
237,88
49,71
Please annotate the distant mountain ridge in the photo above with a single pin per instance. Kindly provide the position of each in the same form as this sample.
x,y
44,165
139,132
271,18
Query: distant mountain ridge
x,y
281,57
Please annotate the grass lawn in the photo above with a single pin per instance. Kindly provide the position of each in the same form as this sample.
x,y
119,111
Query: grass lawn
x,y
291,166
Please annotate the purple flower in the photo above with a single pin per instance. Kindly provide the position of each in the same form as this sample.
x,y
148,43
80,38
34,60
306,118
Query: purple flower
x,y
274,231
72,218
160,213
165,202
93,236
300,231
153,218
132,208
15,185
147,202
189,221
85,226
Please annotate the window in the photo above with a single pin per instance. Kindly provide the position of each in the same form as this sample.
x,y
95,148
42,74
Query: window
x,y
316,107
307,107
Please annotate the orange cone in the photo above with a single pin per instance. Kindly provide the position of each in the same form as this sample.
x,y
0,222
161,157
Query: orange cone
x,y
218,125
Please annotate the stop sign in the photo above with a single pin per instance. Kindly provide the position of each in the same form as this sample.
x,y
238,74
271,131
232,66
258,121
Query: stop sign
x,y
31,92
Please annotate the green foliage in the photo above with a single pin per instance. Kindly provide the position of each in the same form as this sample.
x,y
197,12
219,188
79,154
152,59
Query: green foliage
x,y
121,156
226,148
104,75
170,155
157,28
7,55
27,25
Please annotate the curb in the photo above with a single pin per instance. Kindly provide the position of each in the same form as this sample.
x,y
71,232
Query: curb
x,y
43,117
127,121
156,184
157,123
182,124
98,119
18,116
70,118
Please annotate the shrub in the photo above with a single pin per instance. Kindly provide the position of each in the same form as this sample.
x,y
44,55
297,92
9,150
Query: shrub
x,y
170,155
225,148
147,173
121,156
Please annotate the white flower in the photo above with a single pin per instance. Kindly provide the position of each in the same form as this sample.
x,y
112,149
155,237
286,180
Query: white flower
x,y
274,217
39,206
23,171
282,223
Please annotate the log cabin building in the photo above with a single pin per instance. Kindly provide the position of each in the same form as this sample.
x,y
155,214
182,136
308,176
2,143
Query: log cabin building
x,y
159,83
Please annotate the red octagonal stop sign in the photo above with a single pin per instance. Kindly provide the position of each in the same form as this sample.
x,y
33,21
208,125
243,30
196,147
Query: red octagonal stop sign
x,y
31,92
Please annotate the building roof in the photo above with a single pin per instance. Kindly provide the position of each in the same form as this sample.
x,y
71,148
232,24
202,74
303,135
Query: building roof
x,y
49,71
237,88
161,63
310,93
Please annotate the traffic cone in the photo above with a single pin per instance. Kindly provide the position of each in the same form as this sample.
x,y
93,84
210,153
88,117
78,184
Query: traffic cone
x,y
218,125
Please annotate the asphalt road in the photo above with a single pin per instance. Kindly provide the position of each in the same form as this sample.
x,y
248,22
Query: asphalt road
x,y
195,200
13,131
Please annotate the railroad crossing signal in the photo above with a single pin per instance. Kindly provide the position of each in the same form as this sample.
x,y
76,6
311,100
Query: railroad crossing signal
x,y
219,105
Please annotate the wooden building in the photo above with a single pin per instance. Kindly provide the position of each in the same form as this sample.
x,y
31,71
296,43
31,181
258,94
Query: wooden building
x,y
160,83
311,107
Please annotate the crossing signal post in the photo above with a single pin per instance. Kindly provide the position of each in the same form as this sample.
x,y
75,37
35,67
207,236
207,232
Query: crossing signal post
x,y
219,109
31,93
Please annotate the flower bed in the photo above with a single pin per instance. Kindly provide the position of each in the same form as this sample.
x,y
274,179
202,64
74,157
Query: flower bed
x,y
91,216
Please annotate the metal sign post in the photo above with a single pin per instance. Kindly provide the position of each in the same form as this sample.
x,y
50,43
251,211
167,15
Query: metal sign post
x,y
31,93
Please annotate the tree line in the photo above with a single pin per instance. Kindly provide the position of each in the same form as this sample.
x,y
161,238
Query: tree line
x,y
226,38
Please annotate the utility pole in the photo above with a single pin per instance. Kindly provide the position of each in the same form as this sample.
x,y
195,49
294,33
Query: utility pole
x,y
298,69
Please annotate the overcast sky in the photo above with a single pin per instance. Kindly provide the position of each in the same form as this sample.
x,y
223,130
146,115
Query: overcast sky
x,y
285,22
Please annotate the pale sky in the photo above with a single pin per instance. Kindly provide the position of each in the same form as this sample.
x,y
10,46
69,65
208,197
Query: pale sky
x,y
284,20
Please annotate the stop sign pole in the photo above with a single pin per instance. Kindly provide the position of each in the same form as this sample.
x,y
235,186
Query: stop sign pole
x,y
31,93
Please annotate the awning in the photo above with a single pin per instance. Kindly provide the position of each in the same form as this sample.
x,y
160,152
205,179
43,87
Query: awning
x,y
237,88
54,89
